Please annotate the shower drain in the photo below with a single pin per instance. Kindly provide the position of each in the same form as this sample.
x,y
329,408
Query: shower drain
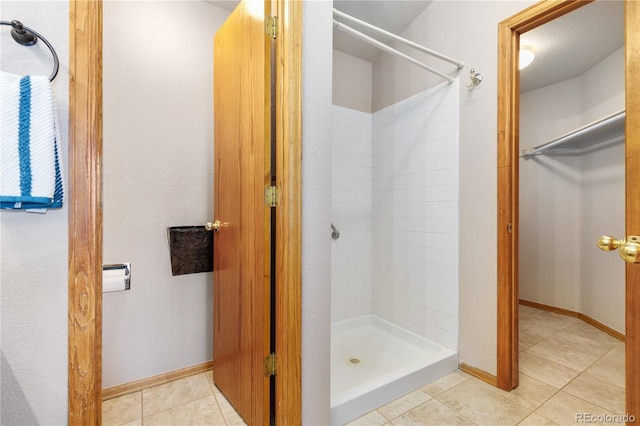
x,y
354,360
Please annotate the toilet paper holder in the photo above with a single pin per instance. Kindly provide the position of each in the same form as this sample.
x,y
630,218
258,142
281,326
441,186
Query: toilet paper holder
x,y
127,272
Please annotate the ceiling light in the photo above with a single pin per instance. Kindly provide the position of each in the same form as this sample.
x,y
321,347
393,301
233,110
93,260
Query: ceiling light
x,y
526,57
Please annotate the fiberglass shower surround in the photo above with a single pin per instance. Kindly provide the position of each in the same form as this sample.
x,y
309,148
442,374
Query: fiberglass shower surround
x,y
395,266
395,202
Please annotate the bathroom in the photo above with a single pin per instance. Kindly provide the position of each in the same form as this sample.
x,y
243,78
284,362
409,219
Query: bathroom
x,y
454,24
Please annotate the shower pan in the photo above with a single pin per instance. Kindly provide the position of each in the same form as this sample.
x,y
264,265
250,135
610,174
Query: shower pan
x,y
394,271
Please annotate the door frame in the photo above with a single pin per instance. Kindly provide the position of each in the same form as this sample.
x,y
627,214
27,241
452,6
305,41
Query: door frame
x,y
85,212
509,32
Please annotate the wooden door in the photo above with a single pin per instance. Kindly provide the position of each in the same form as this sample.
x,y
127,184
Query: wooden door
x,y
632,188
241,280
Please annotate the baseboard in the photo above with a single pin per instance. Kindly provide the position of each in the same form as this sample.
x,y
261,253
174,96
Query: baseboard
x,y
597,324
600,326
138,385
549,308
478,373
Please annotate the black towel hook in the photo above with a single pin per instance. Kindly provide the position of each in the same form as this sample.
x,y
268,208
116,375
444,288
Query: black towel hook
x,y
28,37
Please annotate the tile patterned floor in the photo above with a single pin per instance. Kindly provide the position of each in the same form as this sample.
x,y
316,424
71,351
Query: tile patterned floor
x,y
566,367
193,400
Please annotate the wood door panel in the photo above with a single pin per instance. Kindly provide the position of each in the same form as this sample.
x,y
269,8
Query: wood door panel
x,y
241,279
632,189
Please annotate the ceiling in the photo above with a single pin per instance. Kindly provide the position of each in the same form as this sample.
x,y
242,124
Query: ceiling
x,y
568,46
565,48
391,15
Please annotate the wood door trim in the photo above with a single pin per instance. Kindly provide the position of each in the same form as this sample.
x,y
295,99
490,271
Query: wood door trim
x,y
85,217
509,32
632,174
85,213
288,216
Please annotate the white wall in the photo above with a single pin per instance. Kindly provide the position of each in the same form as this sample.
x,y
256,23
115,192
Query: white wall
x,y
603,202
465,30
33,248
351,82
351,267
549,191
317,45
158,172
568,201
415,214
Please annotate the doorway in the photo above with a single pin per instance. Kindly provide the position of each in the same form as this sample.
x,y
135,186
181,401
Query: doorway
x,y
85,222
508,190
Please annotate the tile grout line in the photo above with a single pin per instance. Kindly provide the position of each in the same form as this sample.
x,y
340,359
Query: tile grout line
x,y
582,371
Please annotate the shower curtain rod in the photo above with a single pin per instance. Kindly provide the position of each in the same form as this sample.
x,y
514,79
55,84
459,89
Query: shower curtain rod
x,y
372,41
395,37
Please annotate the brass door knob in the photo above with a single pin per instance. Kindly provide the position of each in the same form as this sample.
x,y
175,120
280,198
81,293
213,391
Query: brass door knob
x,y
215,226
609,243
629,250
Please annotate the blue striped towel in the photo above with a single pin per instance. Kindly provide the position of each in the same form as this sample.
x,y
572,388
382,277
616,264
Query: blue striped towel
x,y
31,173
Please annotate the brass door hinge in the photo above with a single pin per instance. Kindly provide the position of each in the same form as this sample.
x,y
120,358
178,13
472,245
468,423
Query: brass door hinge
x,y
271,196
271,26
270,365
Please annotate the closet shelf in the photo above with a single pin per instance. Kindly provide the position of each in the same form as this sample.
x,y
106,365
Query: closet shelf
x,y
603,130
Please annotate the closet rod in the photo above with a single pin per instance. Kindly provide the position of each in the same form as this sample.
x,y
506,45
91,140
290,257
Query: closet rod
x,y
381,45
395,37
613,124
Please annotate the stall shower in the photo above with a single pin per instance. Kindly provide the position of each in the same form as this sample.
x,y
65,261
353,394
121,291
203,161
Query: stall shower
x,y
394,264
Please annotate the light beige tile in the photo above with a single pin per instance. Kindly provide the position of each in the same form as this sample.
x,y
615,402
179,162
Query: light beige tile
x,y
598,339
432,412
203,411
525,311
372,418
403,404
446,383
483,404
597,391
133,423
536,420
172,394
570,352
564,409
611,366
531,333
209,375
552,320
122,410
549,372
229,413
530,393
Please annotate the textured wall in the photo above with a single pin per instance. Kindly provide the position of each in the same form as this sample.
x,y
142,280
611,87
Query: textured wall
x,y
568,201
33,249
316,211
351,82
158,172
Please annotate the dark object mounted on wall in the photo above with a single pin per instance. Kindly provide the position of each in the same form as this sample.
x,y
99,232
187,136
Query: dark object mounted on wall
x,y
191,249
28,37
